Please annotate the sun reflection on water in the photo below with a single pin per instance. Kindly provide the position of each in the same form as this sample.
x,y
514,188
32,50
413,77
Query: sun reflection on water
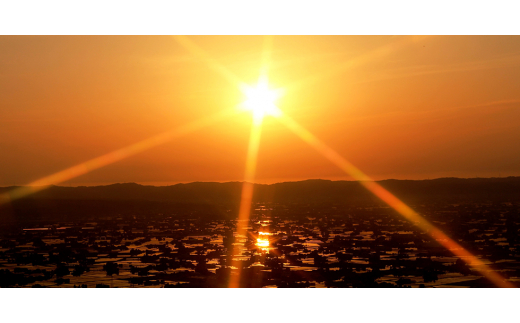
x,y
262,241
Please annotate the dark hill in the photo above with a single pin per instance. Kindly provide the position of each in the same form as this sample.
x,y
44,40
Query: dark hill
x,y
309,191
129,197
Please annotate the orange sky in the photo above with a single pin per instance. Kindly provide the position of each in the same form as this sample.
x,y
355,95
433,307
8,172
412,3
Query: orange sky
x,y
396,107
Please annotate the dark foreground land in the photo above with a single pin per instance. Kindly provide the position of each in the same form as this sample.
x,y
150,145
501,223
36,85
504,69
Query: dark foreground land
x,y
325,241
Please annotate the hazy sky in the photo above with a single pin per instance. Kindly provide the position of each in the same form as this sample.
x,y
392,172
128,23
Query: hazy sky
x,y
396,107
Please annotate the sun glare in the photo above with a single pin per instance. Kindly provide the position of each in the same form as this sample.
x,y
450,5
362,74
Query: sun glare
x,y
261,100
263,240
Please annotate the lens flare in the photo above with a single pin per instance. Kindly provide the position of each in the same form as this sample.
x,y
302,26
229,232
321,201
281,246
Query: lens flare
x,y
112,157
395,203
247,192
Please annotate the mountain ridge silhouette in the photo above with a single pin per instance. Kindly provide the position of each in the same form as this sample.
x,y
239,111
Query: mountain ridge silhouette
x,y
449,189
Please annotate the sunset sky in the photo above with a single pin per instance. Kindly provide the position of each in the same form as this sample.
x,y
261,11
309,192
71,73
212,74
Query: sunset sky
x,y
394,106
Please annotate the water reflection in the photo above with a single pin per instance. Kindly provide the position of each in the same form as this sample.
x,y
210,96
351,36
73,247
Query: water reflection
x,y
262,241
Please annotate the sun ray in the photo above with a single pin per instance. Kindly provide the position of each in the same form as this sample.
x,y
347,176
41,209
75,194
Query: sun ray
x,y
356,61
247,192
212,63
252,151
122,153
112,157
394,202
266,56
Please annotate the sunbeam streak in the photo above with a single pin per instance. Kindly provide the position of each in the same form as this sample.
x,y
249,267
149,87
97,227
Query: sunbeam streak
x,y
266,55
394,202
113,157
212,63
261,102
247,192
354,62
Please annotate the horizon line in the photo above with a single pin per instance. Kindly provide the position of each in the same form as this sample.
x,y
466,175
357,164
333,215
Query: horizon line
x,y
281,182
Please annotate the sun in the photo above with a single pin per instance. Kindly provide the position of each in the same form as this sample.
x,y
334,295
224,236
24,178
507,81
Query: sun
x,y
261,100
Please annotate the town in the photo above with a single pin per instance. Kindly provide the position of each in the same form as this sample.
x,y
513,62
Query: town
x,y
297,245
